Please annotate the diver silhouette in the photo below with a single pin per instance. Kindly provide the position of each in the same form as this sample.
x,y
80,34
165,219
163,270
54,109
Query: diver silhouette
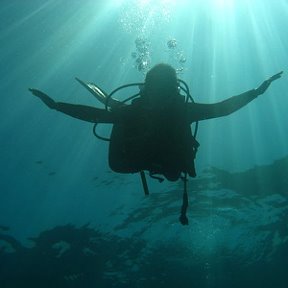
x,y
153,133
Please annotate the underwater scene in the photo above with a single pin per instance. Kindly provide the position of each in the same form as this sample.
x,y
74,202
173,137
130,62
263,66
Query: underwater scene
x,y
68,220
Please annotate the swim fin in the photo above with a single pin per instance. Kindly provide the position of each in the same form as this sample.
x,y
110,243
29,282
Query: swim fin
x,y
99,94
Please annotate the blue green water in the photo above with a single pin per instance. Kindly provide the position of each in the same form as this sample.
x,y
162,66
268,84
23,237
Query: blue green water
x,y
54,172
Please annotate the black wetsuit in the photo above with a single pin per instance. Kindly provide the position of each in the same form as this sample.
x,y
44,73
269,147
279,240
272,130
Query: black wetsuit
x,y
157,139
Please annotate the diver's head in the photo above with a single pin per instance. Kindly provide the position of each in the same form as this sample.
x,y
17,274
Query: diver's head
x,y
161,84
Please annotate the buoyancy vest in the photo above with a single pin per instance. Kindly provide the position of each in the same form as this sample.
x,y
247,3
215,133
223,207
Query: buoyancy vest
x,y
158,140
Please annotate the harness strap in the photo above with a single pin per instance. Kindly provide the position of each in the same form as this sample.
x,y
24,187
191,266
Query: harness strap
x,y
152,175
183,218
144,182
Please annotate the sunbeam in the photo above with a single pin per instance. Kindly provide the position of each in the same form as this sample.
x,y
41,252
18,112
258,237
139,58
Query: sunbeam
x,y
53,171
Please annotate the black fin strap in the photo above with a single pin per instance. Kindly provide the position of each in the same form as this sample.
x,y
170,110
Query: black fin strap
x,y
183,218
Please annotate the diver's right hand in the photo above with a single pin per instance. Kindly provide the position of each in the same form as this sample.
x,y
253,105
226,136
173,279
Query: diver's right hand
x,y
45,98
264,86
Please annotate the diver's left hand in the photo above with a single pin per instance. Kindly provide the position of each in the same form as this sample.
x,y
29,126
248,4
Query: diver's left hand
x,y
264,86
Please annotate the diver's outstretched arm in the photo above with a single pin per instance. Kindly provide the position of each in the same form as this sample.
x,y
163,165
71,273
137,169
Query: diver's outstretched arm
x,y
199,112
82,112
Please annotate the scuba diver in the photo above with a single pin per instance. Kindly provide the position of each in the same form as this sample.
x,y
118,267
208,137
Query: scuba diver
x,y
153,133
